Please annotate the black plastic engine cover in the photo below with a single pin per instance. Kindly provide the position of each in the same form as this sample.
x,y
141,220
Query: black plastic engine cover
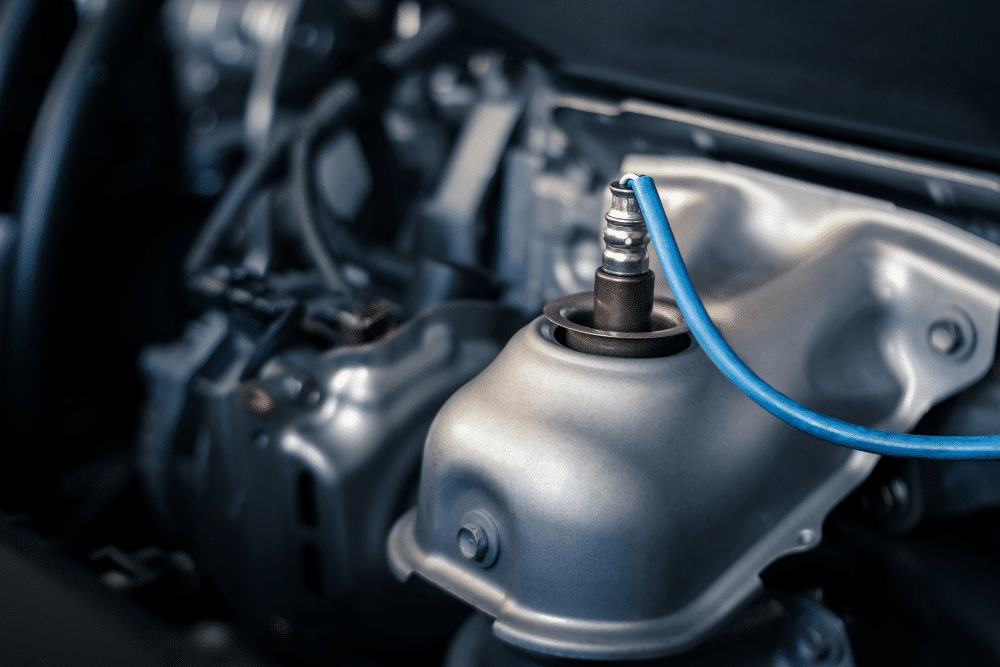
x,y
920,76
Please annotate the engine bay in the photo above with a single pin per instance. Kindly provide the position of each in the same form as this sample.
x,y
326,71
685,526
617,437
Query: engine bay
x,y
344,333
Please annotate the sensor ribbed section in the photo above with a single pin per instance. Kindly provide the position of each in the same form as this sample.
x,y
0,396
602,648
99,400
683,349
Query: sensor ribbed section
x,y
625,237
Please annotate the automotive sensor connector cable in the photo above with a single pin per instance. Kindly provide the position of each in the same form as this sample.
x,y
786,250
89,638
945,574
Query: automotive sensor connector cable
x,y
766,396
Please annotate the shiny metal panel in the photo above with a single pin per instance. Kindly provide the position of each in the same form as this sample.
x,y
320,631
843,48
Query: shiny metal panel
x,y
637,500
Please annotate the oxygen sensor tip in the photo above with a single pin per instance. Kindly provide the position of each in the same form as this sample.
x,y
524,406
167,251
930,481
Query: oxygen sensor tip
x,y
620,318
625,236
623,286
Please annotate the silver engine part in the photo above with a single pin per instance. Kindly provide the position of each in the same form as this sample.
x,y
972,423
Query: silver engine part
x,y
781,631
417,389
291,478
608,508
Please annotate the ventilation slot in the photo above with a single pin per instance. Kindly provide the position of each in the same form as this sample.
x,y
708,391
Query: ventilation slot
x,y
308,511
311,577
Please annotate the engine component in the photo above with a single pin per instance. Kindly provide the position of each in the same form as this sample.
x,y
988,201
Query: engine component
x,y
900,497
946,337
775,631
238,63
290,477
598,492
452,214
620,318
623,285
630,525
549,222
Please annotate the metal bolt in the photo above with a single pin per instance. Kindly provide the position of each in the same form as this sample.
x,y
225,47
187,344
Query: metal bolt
x,y
473,542
259,402
945,336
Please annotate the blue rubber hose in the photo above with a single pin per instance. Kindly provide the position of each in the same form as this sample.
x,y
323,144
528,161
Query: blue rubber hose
x,y
766,396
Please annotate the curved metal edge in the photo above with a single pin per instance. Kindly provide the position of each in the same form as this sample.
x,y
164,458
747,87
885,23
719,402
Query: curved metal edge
x,y
625,640
562,637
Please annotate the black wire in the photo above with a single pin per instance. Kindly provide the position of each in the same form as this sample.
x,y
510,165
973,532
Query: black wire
x,y
17,17
327,115
332,106
312,238
331,109
250,177
49,180
49,184
322,122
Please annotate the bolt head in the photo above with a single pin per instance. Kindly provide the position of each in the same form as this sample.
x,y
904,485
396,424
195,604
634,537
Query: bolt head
x,y
945,336
473,542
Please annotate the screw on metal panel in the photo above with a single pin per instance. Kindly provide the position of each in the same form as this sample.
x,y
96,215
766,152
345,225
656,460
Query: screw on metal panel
x,y
895,503
259,402
473,542
945,336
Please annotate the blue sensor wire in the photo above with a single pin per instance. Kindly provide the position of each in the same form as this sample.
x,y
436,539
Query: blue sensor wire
x,y
766,396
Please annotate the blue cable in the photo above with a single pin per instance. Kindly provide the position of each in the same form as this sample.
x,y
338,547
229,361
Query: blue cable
x,y
766,396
